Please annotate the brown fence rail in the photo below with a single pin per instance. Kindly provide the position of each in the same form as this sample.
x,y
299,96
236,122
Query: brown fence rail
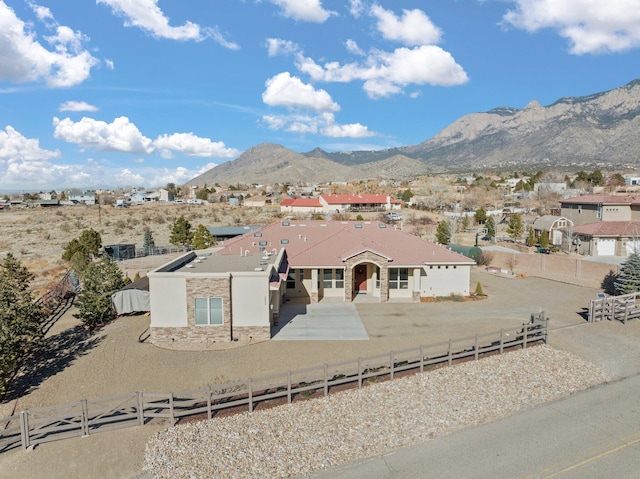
x,y
90,416
615,308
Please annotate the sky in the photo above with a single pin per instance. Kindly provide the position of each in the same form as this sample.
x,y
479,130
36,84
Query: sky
x,y
119,93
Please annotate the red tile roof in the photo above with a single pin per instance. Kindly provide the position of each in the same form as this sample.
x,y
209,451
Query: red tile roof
x,y
330,243
604,199
609,228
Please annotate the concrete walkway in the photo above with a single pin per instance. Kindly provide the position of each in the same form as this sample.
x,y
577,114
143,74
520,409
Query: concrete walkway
x,y
319,321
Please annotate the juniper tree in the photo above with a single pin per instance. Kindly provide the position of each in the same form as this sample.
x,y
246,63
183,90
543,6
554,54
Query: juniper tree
x,y
181,234
148,243
490,224
202,238
20,318
99,282
443,233
515,227
79,251
628,280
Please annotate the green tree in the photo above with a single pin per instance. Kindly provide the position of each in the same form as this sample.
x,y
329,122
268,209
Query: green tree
x,y
490,224
544,239
443,233
20,318
628,280
407,195
148,243
79,251
531,240
202,238
481,216
515,226
203,194
99,282
181,234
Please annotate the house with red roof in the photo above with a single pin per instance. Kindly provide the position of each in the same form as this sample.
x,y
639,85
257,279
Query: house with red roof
x,y
236,292
340,203
605,225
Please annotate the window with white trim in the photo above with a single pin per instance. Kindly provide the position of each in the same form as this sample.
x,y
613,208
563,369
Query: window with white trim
x,y
333,278
398,278
377,277
208,311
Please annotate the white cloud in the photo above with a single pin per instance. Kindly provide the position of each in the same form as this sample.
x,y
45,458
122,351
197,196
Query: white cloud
x,y
590,26
43,13
24,59
120,135
290,92
37,175
385,74
15,146
277,46
147,15
323,124
412,29
128,177
355,8
192,145
77,106
353,47
304,10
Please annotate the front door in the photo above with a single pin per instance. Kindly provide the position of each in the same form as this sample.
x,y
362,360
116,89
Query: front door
x,y
360,278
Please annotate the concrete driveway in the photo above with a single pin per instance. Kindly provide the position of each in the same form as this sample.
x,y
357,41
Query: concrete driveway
x,y
320,321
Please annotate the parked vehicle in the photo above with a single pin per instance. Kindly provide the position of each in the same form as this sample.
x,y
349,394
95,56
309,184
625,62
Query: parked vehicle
x,y
394,216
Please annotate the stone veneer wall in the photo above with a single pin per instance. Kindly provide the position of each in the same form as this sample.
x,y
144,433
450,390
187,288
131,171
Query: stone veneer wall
x,y
367,257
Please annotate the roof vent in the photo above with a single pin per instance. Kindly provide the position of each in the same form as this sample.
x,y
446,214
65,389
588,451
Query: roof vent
x,y
382,225
358,226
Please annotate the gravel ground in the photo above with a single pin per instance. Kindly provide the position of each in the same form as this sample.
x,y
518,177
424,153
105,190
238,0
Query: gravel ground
x,y
309,436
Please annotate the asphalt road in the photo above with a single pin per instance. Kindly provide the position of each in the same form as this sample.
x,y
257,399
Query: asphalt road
x,y
592,434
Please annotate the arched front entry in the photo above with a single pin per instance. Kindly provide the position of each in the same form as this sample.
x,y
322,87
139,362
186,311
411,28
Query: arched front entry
x,y
360,279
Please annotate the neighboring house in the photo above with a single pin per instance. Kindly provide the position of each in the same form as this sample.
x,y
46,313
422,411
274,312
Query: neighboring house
x,y
236,293
165,195
555,226
138,198
595,208
85,198
257,201
608,238
363,202
605,225
301,205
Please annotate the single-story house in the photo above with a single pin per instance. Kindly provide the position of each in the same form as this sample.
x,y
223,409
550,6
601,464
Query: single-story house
x,y
236,292
608,238
555,226
258,201
360,202
223,233
301,205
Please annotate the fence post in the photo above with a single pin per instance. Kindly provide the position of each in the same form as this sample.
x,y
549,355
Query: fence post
x,y
171,412
289,387
421,358
140,411
359,373
209,411
326,381
475,348
250,395
450,358
546,330
501,340
525,332
626,313
24,429
85,418
391,364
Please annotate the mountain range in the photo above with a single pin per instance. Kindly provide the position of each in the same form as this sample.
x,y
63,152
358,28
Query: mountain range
x,y
595,131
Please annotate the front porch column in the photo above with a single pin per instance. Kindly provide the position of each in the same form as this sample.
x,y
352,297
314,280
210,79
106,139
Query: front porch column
x,y
384,284
314,286
416,285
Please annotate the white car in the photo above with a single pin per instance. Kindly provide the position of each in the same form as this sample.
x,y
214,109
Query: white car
x,y
394,216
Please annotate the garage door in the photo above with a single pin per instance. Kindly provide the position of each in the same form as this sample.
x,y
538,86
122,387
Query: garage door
x,y
606,247
633,246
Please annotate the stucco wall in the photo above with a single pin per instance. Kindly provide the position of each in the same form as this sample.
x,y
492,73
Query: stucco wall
x,y
168,301
443,280
250,296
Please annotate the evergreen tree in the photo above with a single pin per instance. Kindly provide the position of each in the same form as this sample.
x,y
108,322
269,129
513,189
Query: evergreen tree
x,y
443,233
79,251
181,234
148,243
628,280
544,239
100,281
20,318
490,224
515,227
481,216
202,238
531,240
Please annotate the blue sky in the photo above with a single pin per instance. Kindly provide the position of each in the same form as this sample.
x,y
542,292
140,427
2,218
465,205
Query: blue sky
x,y
145,92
